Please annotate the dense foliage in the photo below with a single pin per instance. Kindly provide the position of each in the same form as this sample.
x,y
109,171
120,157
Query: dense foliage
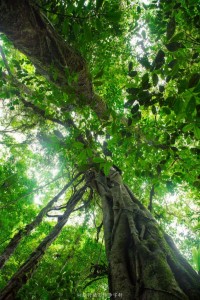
x,y
144,62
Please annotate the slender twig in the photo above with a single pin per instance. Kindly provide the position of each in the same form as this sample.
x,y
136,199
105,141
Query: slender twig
x,y
64,206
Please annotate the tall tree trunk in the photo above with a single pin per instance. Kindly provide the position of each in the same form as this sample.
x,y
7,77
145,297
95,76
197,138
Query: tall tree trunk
x,y
144,263
32,33
9,250
27,269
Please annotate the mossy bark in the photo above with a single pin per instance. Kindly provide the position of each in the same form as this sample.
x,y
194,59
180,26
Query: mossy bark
x,y
144,263
32,33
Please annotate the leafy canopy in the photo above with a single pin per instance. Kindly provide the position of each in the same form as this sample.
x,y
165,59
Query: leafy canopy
x,y
144,62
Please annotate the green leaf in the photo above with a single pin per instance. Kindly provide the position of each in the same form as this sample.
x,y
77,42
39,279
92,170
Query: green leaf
x,y
178,174
179,36
170,101
99,24
106,168
98,160
135,109
99,74
159,60
130,121
154,110
89,152
197,88
195,55
129,103
191,105
87,32
145,81
174,46
188,127
196,257
166,110
161,88
130,66
178,106
133,91
194,79
114,16
144,96
145,62
172,63
132,73
171,27
99,4
82,156
16,102
80,4
197,132
98,83
155,79
78,145
137,116
175,70
54,74
65,27
182,86
76,29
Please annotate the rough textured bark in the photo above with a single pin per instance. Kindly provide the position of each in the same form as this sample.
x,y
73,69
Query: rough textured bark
x,y
9,250
31,32
144,262
27,269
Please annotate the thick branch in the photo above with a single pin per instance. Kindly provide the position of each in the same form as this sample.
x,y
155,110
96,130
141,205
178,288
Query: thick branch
x,y
32,33
43,114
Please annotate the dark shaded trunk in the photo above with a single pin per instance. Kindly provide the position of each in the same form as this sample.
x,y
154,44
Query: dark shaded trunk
x,y
32,33
27,269
9,250
144,263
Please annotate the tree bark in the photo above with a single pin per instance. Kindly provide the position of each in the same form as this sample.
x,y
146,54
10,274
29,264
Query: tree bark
x,y
28,268
9,250
32,33
144,263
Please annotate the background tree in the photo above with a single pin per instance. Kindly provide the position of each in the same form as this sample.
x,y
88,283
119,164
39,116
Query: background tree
x,y
103,84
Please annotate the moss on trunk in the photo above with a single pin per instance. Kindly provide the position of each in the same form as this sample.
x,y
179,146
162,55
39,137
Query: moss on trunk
x,y
144,262
32,33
